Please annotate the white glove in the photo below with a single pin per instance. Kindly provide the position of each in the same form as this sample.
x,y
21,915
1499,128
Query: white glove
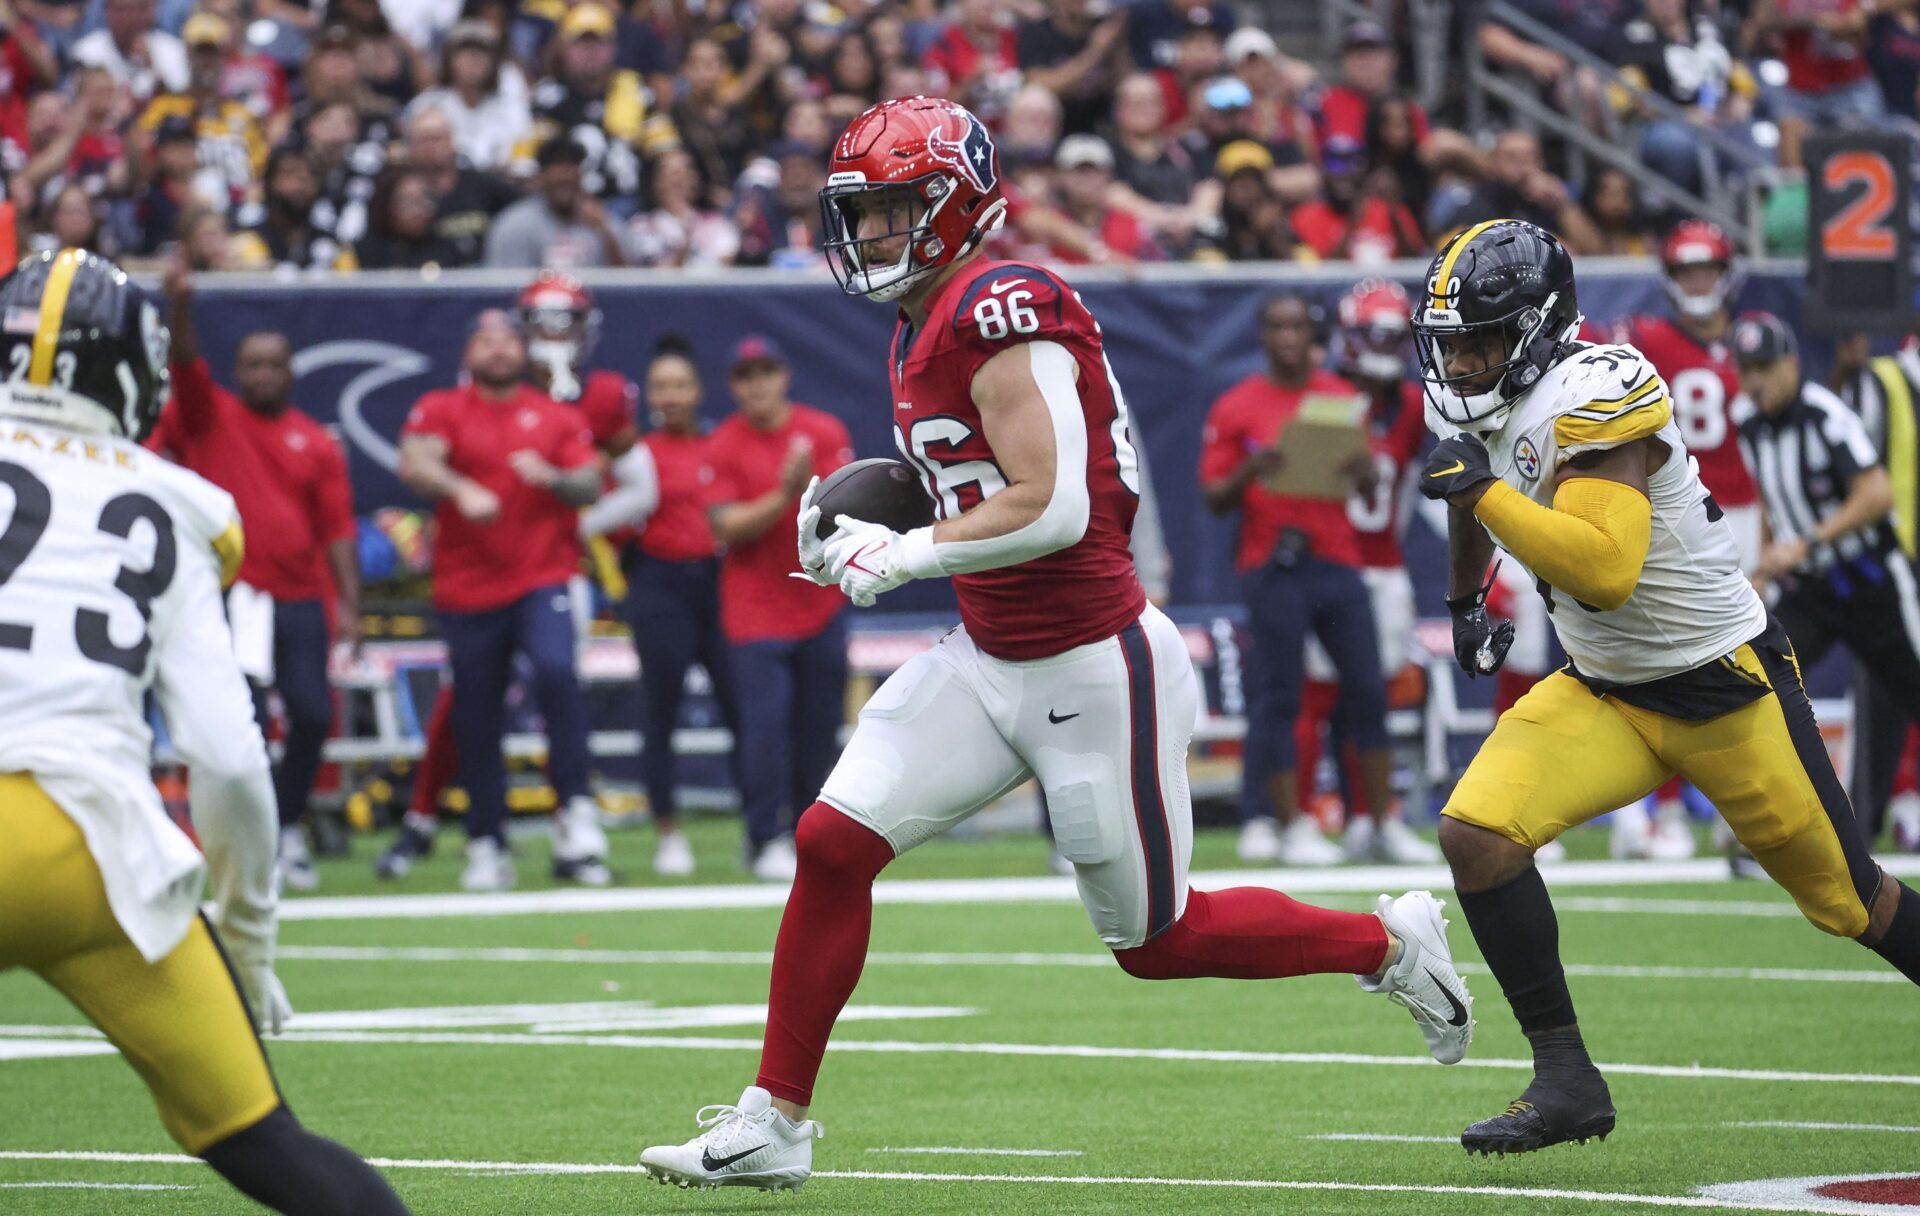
x,y
866,559
813,561
248,941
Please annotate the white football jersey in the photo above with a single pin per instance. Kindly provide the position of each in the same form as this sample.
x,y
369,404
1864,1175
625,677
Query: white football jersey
x,y
1692,605
112,562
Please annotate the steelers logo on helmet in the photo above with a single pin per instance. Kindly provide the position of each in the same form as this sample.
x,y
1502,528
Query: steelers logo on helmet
x,y
1497,311
82,346
912,186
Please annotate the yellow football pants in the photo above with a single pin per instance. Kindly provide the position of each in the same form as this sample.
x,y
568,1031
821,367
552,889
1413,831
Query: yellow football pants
x,y
1564,754
181,1022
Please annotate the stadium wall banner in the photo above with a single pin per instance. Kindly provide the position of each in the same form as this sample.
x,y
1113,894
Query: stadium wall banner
x,y
367,346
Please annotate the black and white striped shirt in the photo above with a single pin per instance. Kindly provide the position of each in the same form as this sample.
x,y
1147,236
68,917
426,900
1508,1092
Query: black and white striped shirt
x,y
1804,459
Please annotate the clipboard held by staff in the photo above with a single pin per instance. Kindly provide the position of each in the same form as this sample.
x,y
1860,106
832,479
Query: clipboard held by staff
x,y
1323,438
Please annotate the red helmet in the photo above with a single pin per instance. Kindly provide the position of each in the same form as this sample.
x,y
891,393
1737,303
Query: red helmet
x,y
1698,243
929,168
558,308
1375,323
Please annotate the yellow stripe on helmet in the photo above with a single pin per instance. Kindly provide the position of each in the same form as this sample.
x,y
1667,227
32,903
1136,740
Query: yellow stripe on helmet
x,y
1459,246
53,306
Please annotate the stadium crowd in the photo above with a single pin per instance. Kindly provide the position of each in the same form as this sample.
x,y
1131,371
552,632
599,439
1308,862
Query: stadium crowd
x,y
304,135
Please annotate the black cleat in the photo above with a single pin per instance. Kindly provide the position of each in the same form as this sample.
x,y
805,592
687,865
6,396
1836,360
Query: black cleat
x,y
415,841
1541,1118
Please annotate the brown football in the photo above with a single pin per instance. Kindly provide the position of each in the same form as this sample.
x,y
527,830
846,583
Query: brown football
x,y
881,491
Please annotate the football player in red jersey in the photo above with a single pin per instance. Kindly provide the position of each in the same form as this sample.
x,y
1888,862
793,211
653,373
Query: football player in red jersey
x,y
1372,348
1702,277
1061,670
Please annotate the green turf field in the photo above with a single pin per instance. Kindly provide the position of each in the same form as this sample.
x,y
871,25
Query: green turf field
x,y
518,1064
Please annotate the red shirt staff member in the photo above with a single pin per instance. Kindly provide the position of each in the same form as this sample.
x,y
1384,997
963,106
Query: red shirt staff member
x,y
787,640
1299,563
509,469
672,568
288,477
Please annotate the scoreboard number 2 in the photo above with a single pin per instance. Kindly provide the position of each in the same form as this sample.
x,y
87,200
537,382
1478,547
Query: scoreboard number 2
x,y
1859,230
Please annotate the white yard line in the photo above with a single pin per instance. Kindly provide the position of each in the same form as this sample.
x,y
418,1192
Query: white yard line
x,y
761,958
94,1186
956,1151
1830,1127
1615,1198
1383,1138
1342,879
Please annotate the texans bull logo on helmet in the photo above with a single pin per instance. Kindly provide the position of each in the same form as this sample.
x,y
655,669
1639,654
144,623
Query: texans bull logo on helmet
x,y
971,154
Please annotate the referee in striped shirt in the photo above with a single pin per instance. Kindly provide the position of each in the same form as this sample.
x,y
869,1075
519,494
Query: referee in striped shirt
x,y
1831,550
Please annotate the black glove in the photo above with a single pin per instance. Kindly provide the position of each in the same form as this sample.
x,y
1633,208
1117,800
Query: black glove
x,y
1456,464
1479,644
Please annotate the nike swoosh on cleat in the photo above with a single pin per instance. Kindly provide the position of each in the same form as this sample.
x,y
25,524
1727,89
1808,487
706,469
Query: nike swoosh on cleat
x,y
1459,466
710,1163
1058,719
1459,1017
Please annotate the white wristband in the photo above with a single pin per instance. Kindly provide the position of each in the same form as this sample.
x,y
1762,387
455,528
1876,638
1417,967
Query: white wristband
x,y
917,555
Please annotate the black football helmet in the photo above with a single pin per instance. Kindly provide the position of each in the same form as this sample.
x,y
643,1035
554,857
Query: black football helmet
x,y
1505,278
81,346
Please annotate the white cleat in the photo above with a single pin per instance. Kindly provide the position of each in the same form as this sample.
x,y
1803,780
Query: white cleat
x,y
673,856
1672,835
751,1144
1631,836
1359,840
1304,844
1904,811
489,868
776,861
580,844
1396,844
1423,979
1259,841
296,861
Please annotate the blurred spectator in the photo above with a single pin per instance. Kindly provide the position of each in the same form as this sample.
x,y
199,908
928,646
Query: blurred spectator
x,y
76,143
285,239
27,65
778,209
607,110
1369,67
759,45
231,149
246,76
678,228
1359,216
1146,157
976,60
1076,53
143,59
852,68
423,23
402,235
560,226
1157,28
805,122
168,15
347,167
1670,53
465,199
1893,48
206,242
1226,117
1104,233
1613,200
1829,80
717,135
389,64
1253,219
644,44
1199,56
483,97
332,76
155,217
1274,117
1517,185
906,80
72,220
1031,129
1393,142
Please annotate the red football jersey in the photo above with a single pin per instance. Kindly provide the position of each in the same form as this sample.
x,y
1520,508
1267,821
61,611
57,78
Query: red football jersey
x,y
678,530
1704,382
1080,594
1380,519
1248,417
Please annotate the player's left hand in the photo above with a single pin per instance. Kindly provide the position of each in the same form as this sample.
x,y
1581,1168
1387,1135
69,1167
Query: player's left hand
x,y
1457,468
813,561
866,559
